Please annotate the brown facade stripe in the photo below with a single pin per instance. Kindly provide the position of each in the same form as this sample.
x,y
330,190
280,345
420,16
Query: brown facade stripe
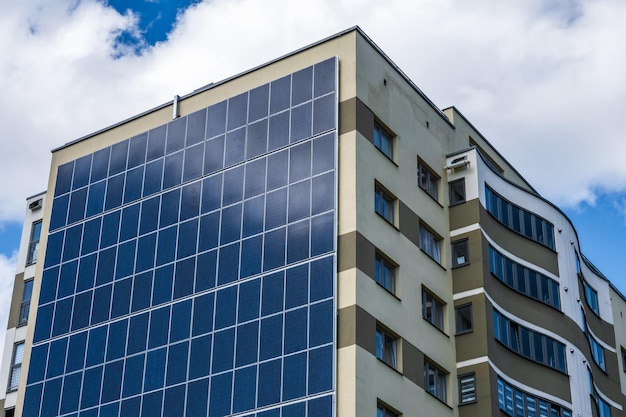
x,y
409,223
354,115
355,326
16,301
355,251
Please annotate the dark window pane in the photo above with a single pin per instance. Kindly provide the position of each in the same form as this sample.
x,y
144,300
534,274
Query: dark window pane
x,y
280,94
295,330
181,321
166,246
298,241
211,193
223,350
274,252
271,339
323,153
278,131
174,402
72,242
302,86
163,279
64,179
176,135
214,155
320,369
155,369
170,202
116,343
133,376
121,297
106,266
324,114
255,178
272,293
137,150
75,353
96,346
321,323
67,279
228,264
301,122
299,200
134,181
54,248
119,155
149,215
100,164
216,119
156,142
187,238
159,325
71,392
269,383
137,333
177,363
233,186
197,398
101,304
276,209
237,111
259,103
49,284
294,376
196,127
146,250
190,201
297,286
62,315
203,314
220,397
200,357
323,193
321,279
112,383
91,236
51,396
37,365
247,341
193,162
231,224
43,325
115,188
92,382
235,147
256,139
324,77
95,198
226,307
173,170
300,162
249,300
209,231
59,212
151,404
78,203
205,275
56,358
251,262
130,222
244,389
253,215
322,236
82,310
141,291
86,273
153,177
130,407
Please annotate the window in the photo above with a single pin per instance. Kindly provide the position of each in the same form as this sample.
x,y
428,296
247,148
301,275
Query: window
x,y
623,359
460,253
532,345
467,388
597,352
33,246
384,204
604,410
386,347
591,296
456,189
25,306
383,140
430,243
9,413
432,310
16,366
427,180
463,315
385,273
382,411
517,403
519,220
435,381
524,280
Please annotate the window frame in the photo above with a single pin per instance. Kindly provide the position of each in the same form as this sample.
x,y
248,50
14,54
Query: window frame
x,y
469,375
388,281
15,372
385,341
451,188
433,310
385,204
25,303
433,240
440,377
33,242
428,180
382,410
384,140
454,246
457,309
591,298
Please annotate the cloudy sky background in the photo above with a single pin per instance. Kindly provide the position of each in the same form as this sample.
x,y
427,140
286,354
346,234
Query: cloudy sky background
x,y
543,80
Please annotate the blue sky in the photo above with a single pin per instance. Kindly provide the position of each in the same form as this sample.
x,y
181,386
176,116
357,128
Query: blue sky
x,y
541,79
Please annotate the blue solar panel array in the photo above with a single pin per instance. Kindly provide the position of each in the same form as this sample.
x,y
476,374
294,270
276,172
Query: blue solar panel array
x,y
190,270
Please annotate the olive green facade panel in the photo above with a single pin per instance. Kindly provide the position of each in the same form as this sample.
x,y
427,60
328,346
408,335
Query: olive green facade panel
x,y
16,301
409,223
465,214
355,251
483,405
469,277
473,344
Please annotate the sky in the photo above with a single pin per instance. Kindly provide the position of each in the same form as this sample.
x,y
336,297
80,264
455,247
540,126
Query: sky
x,y
542,80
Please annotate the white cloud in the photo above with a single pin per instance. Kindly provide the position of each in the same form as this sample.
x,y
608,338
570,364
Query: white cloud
x,y
7,275
542,80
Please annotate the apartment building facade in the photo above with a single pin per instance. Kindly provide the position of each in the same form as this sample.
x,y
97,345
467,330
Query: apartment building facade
x,y
313,237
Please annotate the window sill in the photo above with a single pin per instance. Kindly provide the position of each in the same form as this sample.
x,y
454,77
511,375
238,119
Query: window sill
x,y
386,156
389,366
460,265
387,221
439,399
430,196
387,291
464,332
440,330
468,403
433,259
458,203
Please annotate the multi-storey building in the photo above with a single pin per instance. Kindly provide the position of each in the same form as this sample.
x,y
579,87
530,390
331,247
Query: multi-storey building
x,y
313,237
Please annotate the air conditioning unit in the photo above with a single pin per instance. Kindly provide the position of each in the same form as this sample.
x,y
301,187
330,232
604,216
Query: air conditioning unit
x,y
458,163
35,205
